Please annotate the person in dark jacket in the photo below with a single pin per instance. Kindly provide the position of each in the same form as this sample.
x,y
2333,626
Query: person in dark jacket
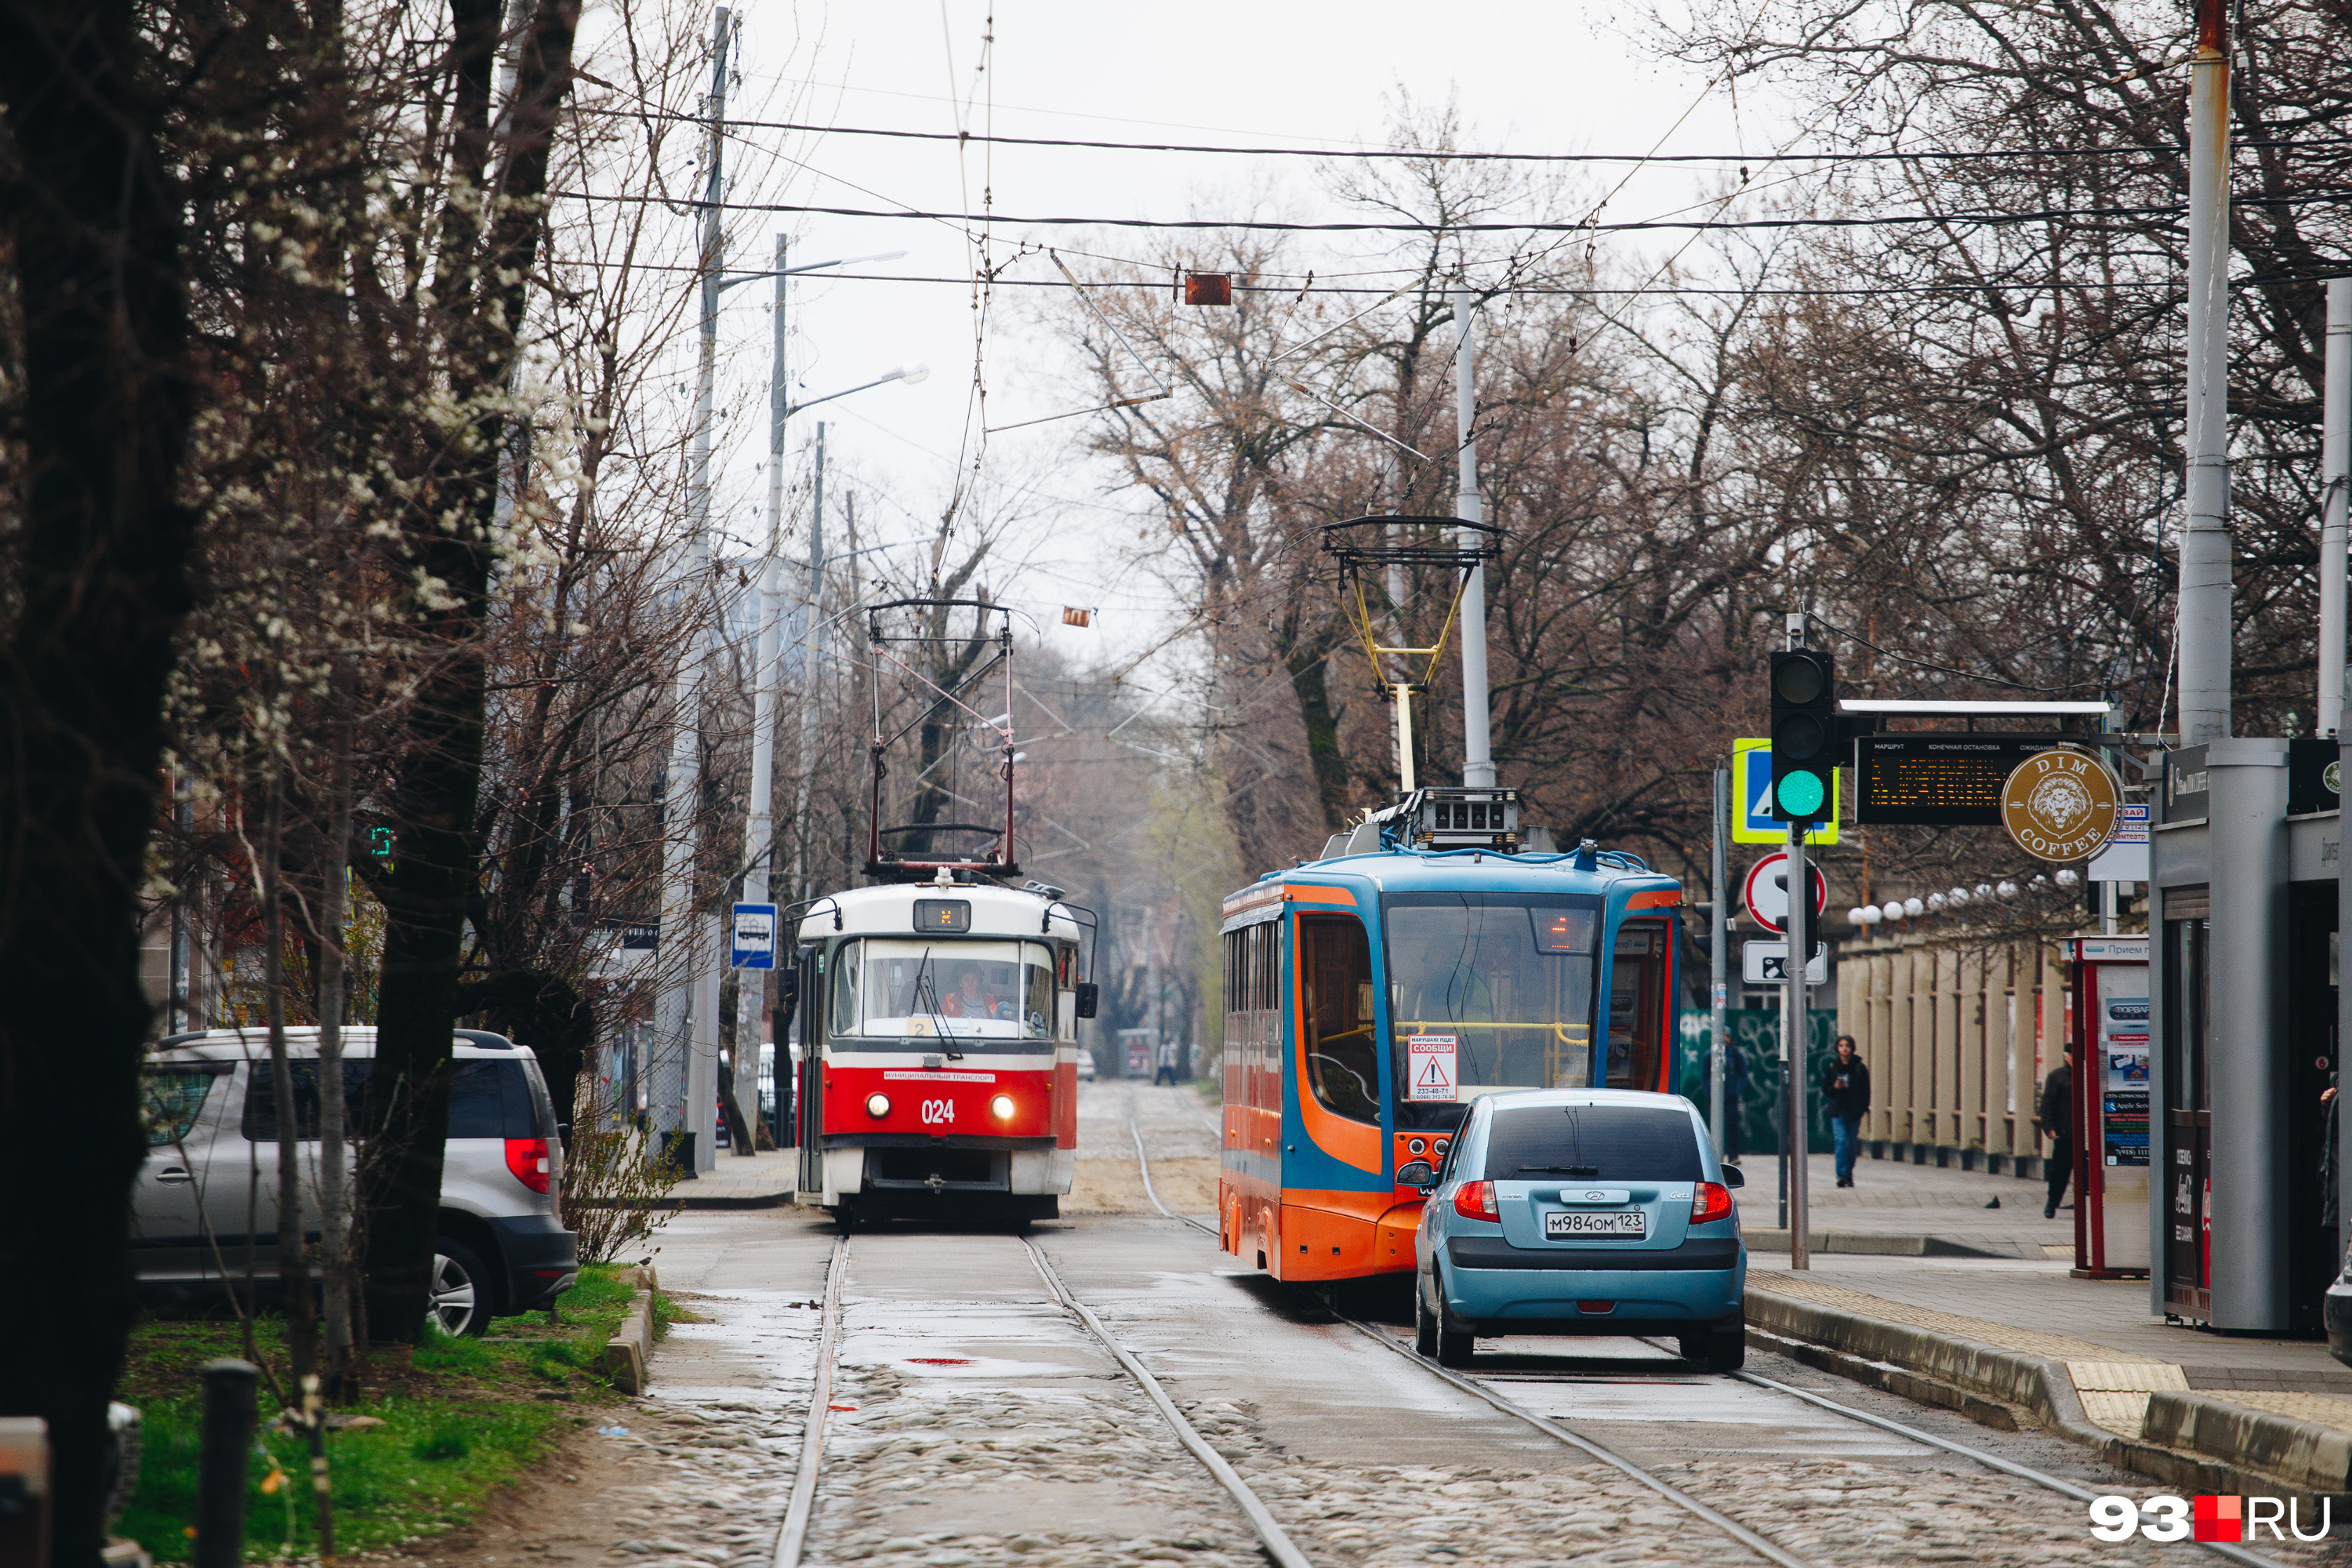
x,y
1734,1095
1845,1095
2056,1122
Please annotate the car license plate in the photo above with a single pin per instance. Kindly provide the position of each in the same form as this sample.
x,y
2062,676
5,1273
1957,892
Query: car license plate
x,y
1606,1222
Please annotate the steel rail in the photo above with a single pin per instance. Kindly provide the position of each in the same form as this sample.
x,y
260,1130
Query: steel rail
x,y
1733,1528
1759,1544
793,1537
1270,1533
1992,1461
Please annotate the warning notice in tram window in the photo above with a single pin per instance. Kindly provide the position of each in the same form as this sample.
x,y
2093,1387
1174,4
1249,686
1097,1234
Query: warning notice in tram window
x,y
1935,780
1432,1059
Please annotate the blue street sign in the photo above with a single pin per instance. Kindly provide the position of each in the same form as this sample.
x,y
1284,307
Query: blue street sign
x,y
753,942
1752,821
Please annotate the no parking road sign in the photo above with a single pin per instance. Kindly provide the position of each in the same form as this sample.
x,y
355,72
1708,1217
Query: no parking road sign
x,y
1766,892
753,943
1432,1059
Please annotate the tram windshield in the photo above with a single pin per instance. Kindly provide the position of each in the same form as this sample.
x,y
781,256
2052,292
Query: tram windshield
x,y
960,990
1506,979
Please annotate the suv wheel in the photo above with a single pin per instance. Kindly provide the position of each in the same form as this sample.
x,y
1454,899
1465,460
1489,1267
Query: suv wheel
x,y
459,1301
1424,1321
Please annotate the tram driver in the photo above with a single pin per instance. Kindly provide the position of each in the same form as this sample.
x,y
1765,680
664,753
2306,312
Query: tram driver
x,y
968,1000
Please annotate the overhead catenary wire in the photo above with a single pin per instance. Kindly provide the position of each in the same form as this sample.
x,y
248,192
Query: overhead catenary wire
x,y
1532,226
1418,154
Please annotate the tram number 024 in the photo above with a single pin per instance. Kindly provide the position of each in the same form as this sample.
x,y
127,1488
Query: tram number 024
x,y
936,1111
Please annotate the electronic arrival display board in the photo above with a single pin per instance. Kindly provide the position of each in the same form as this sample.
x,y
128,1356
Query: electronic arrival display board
x,y
1935,779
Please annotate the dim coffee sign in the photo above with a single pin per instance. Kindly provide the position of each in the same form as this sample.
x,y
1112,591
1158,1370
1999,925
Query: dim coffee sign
x,y
2060,806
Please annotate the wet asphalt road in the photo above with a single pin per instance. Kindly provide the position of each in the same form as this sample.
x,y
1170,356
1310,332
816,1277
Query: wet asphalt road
x,y
977,1422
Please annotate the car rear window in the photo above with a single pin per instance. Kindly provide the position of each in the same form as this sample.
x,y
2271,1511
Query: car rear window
x,y
1592,1142
487,1099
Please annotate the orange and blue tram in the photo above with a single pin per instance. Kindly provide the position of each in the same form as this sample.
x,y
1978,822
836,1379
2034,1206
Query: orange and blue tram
x,y
1430,957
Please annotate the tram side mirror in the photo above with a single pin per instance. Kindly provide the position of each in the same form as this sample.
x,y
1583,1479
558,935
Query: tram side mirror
x,y
1417,1173
1089,996
1733,1176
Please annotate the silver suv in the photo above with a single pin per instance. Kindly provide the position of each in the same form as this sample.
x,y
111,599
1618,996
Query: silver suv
x,y
209,1186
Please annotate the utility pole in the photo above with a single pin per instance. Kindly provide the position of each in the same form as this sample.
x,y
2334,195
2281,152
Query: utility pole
x,y
677,1076
1720,995
1478,758
2204,596
758,828
810,662
2336,475
1793,1027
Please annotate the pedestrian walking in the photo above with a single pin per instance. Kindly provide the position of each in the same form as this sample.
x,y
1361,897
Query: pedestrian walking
x,y
1845,1096
2056,1122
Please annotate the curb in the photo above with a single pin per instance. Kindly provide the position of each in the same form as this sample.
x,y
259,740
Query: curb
x,y
1776,1239
756,1201
2189,1440
628,1355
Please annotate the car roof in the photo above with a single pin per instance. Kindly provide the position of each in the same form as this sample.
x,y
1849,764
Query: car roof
x,y
359,1042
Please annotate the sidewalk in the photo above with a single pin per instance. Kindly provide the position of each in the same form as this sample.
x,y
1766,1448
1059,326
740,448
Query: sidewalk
x,y
2004,1333
1905,1210
742,1182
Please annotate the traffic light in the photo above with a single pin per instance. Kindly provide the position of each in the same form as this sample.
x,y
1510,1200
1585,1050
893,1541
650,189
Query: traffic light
x,y
1804,735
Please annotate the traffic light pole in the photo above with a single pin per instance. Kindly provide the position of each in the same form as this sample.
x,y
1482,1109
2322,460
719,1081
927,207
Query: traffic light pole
x,y
1793,1029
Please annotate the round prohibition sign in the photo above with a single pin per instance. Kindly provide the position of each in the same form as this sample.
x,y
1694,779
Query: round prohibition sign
x,y
1765,893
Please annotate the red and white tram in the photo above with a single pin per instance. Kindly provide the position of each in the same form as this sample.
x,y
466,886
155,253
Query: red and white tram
x,y
937,1075
940,1071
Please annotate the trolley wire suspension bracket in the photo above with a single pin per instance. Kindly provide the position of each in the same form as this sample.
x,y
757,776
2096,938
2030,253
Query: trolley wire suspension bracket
x,y
1354,556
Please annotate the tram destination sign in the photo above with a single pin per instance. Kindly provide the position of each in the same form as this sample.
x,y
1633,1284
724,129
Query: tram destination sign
x,y
1935,780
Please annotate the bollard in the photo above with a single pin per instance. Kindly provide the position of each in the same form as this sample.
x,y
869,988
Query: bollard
x,y
221,1471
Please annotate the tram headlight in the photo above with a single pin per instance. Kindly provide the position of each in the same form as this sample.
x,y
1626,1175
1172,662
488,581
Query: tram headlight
x,y
1000,1107
877,1106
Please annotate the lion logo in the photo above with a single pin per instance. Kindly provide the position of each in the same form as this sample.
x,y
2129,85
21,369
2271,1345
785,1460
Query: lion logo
x,y
2058,804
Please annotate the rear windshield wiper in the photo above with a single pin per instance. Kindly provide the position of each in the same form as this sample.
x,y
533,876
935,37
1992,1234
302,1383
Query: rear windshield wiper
x,y
1565,1169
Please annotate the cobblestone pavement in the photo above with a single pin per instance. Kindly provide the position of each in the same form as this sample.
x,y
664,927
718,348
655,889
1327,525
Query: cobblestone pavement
x,y
977,1423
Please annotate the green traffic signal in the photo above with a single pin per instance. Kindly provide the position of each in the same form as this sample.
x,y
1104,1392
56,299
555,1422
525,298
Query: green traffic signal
x,y
1799,795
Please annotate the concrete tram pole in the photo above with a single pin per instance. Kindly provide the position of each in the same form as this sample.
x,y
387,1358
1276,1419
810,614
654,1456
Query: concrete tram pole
x,y
2335,476
1719,995
2205,548
1478,758
809,662
1795,998
672,1080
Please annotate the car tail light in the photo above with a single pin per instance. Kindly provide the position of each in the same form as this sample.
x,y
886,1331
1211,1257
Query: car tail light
x,y
1712,1201
527,1159
1476,1200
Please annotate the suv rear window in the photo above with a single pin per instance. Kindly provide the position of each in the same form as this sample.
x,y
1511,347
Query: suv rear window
x,y
487,1099
1592,1142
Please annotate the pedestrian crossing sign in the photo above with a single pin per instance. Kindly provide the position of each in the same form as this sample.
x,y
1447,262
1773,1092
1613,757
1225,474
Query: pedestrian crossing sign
x,y
1752,821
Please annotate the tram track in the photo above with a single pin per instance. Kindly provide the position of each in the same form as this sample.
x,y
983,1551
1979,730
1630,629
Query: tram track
x,y
792,1536
1761,1545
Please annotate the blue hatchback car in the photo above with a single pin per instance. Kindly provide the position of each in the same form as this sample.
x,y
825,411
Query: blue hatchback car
x,y
1581,1211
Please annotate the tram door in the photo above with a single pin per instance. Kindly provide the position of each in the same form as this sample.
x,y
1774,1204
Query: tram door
x,y
1637,1006
808,1102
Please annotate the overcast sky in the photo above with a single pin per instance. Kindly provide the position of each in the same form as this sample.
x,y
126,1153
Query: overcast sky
x,y
1526,78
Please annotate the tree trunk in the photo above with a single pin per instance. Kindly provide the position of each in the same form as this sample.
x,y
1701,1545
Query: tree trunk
x,y
434,795
334,1186
93,221
293,1263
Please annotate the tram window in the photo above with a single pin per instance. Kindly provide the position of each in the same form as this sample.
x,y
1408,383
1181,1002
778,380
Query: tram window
x,y
1509,976
1336,988
965,990
1636,996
